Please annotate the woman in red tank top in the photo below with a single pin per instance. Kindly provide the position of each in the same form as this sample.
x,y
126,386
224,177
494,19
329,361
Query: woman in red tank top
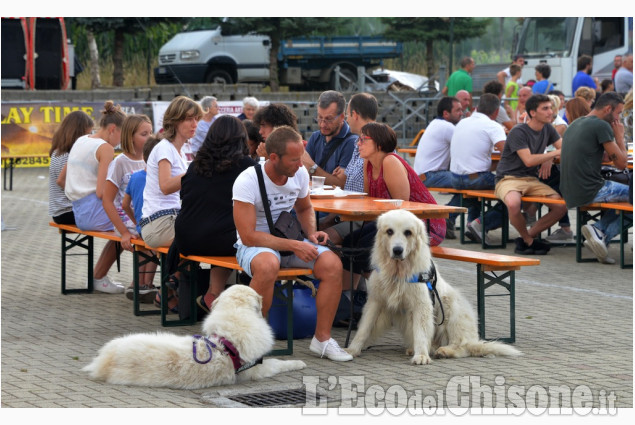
x,y
389,176
386,175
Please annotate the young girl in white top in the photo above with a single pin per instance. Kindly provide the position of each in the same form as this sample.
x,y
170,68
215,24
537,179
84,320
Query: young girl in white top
x,y
74,125
86,172
166,165
135,131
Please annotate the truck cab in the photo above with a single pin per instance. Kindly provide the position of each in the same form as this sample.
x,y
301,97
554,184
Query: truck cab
x,y
213,56
559,42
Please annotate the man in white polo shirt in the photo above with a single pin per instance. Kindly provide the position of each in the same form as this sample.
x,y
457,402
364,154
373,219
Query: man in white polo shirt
x,y
432,161
471,151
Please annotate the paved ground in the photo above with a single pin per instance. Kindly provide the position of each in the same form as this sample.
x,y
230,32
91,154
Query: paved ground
x,y
574,324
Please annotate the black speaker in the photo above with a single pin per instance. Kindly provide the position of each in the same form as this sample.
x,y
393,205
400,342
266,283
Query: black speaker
x,y
13,53
49,49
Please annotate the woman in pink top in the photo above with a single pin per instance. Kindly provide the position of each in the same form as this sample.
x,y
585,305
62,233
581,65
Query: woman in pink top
x,y
388,176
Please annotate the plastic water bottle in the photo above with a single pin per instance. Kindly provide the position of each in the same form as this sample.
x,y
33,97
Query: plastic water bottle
x,y
262,162
187,151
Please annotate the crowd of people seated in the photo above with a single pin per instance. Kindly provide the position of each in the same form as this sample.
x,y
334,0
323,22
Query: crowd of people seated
x,y
211,203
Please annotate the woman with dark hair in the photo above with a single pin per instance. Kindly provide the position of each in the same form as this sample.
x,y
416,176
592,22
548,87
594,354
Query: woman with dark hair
x,y
388,176
205,225
254,138
74,125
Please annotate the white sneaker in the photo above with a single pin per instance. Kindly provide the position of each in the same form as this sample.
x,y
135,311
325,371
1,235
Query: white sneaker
x,y
560,236
595,239
475,229
330,349
106,285
606,260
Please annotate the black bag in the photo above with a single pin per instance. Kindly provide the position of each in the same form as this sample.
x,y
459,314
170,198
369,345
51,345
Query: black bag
x,y
185,289
616,175
287,226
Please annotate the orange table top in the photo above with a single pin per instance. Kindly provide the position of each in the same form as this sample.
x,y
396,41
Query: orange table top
x,y
366,208
496,156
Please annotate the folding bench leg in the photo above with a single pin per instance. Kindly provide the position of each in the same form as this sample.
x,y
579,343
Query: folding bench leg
x,y
188,271
80,241
136,263
279,292
626,222
508,281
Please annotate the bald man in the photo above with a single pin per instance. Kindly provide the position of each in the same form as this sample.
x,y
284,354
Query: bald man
x,y
519,114
466,102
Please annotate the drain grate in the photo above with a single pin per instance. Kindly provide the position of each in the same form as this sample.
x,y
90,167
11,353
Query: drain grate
x,y
273,398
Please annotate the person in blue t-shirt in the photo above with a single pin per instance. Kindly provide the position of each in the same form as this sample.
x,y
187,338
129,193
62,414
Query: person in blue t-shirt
x,y
542,85
583,76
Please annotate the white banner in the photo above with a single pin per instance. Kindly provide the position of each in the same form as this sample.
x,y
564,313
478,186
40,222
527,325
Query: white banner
x,y
229,107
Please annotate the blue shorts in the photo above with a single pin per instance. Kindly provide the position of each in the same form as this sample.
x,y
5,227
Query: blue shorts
x,y
90,214
245,254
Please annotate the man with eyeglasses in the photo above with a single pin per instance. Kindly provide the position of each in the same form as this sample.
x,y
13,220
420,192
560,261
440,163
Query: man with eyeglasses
x,y
361,109
332,146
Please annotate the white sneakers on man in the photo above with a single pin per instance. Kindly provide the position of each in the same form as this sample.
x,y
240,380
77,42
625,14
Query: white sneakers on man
x,y
595,242
330,349
106,285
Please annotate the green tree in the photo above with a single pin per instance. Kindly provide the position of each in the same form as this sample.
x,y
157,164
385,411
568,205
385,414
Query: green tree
x,y
428,30
278,29
120,27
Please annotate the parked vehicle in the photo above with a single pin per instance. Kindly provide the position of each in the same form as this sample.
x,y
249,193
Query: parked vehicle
x,y
559,42
35,54
213,56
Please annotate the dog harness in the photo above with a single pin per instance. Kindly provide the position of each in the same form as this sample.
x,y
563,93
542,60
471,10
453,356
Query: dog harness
x,y
227,347
430,279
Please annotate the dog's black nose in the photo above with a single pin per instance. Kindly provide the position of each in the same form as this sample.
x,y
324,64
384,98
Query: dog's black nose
x,y
397,251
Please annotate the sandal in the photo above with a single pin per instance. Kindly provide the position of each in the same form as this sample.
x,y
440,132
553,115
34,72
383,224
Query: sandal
x,y
200,301
173,283
174,309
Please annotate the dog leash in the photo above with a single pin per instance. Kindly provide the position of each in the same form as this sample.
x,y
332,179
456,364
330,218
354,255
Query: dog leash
x,y
228,347
208,344
430,279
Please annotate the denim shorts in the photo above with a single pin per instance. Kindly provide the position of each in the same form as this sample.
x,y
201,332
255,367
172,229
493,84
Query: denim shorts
x,y
245,254
90,214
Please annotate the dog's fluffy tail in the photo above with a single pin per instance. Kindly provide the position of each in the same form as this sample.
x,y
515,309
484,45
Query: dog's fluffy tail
x,y
491,348
477,349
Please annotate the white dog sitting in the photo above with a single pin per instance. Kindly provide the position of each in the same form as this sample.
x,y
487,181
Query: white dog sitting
x,y
397,295
235,336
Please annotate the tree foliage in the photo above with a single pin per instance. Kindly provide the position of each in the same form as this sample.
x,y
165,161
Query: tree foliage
x,y
120,27
278,29
427,31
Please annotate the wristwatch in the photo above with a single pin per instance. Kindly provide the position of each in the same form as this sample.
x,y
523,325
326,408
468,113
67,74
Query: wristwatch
x,y
313,168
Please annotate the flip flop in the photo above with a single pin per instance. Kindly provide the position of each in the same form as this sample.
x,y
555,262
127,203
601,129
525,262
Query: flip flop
x,y
173,310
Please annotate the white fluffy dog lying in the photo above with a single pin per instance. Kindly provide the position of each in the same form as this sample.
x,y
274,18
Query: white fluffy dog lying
x,y
235,335
400,255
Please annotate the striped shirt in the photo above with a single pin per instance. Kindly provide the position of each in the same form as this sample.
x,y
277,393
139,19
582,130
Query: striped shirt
x,y
58,202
